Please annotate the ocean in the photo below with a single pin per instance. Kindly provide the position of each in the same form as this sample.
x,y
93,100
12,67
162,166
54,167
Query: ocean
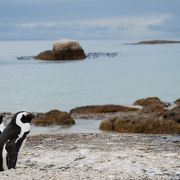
x,y
138,71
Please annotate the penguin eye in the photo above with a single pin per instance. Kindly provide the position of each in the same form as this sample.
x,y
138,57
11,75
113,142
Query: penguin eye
x,y
26,118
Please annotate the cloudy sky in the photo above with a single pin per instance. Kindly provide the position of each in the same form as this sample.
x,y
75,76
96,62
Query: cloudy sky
x,y
86,19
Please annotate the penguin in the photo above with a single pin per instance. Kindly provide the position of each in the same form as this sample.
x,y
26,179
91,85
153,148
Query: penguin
x,y
1,124
12,138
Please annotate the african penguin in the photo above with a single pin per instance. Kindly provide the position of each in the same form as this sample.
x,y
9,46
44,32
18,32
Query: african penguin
x,y
12,138
1,124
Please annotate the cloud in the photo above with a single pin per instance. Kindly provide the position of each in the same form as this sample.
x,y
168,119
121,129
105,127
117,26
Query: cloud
x,y
114,27
52,19
102,27
113,22
169,25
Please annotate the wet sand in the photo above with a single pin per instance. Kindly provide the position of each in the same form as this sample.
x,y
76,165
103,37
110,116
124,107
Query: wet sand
x,y
98,156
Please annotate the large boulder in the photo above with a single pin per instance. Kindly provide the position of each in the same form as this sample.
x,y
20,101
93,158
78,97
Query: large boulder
x,y
54,117
110,108
63,50
142,124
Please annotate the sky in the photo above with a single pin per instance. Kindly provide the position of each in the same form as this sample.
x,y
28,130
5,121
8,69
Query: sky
x,y
89,19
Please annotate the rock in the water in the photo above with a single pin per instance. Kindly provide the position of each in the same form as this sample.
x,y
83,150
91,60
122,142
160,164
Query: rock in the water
x,y
63,50
54,117
173,114
149,101
102,109
154,118
142,124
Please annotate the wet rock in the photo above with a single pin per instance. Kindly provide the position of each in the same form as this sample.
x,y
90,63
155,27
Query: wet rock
x,y
149,101
173,114
63,50
62,55
54,117
142,124
102,109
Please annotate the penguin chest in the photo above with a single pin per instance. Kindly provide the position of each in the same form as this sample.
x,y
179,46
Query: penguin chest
x,y
1,128
4,158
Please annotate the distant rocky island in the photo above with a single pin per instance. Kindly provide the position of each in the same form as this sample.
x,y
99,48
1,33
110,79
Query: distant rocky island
x,y
155,42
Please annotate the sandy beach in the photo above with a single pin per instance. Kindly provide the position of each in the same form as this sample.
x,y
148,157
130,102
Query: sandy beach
x,y
98,156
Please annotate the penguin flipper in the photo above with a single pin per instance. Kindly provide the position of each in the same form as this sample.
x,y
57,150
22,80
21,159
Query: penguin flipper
x,y
12,154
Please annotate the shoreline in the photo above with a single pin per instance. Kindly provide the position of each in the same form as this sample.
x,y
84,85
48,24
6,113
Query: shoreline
x,y
148,116
98,156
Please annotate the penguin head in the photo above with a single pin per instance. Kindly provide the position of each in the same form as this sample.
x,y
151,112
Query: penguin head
x,y
22,117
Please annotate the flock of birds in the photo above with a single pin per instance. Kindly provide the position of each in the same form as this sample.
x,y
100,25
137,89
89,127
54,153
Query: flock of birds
x,y
90,55
12,138
94,55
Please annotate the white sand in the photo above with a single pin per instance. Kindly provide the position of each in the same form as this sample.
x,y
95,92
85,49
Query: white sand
x,y
98,156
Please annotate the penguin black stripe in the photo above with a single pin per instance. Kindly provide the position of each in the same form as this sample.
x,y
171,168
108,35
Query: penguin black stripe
x,y
12,138
1,124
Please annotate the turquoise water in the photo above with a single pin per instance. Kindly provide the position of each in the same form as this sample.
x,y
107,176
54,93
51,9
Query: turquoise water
x,y
137,72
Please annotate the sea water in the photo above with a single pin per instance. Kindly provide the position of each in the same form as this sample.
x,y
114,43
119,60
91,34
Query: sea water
x,y
138,71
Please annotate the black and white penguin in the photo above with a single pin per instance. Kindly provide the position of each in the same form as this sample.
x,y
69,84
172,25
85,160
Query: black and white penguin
x,y
1,124
12,138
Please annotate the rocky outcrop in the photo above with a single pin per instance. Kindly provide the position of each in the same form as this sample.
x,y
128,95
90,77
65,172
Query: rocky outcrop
x,y
63,50
102,109
150,101
153,118
141,125
54,117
